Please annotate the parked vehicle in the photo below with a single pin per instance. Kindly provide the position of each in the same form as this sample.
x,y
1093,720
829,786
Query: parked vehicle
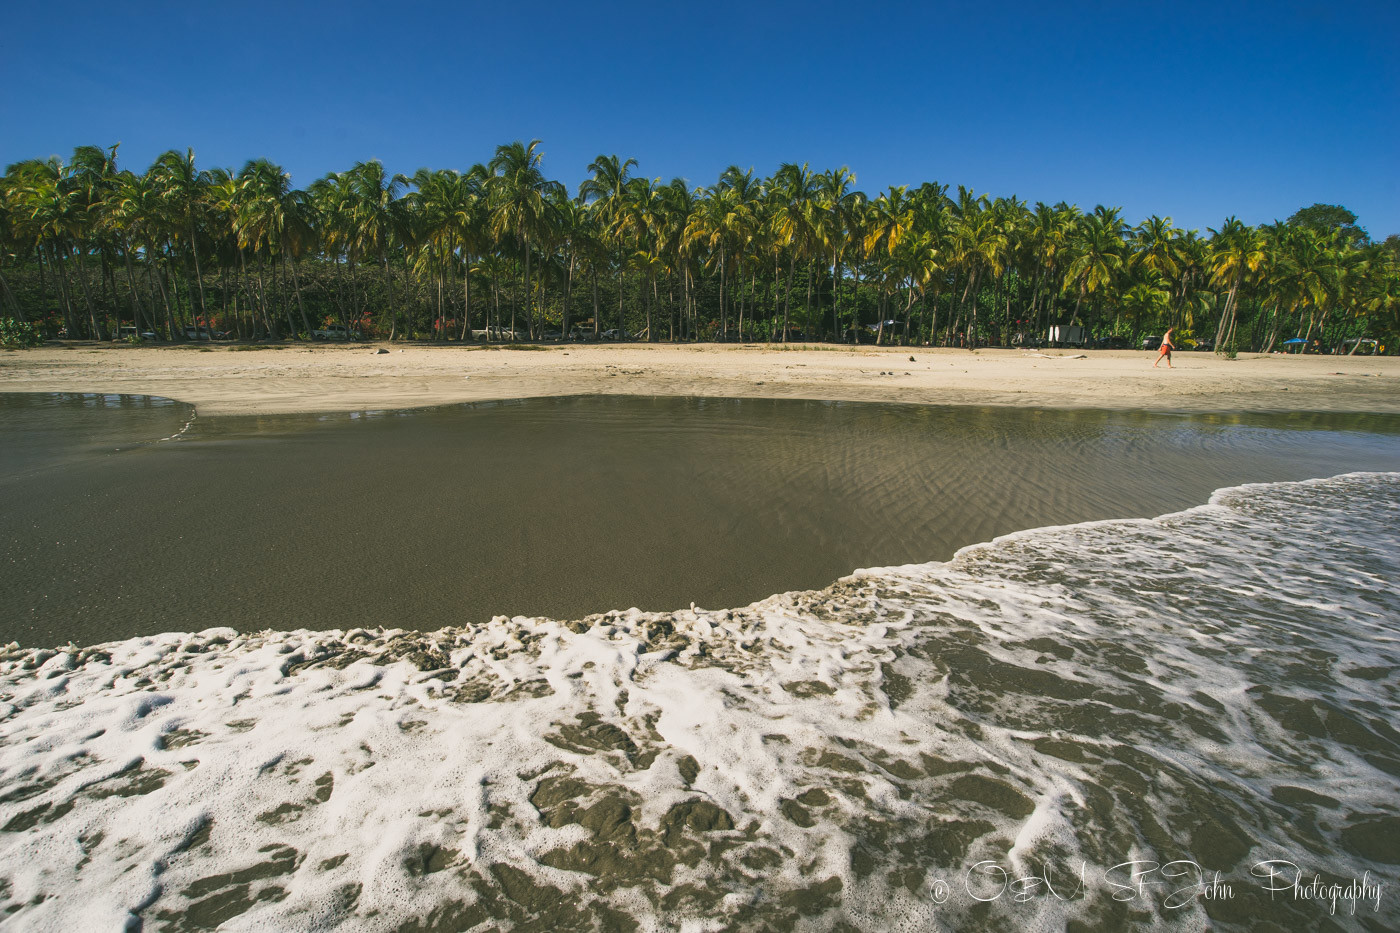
x,y
334,332
551,335
581,334
1204,343
1114,342
198,333
612,333
1152,343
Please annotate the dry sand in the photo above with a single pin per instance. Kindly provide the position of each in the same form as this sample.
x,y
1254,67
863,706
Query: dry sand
x,y
225,379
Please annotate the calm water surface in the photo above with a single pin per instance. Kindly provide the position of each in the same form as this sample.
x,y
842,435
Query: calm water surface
x,y
562,507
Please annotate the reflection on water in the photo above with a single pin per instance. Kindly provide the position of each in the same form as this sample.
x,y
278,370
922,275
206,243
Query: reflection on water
x,y
47,429
561,507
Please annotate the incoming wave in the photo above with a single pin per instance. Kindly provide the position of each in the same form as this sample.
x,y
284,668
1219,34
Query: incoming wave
x,y
1158,724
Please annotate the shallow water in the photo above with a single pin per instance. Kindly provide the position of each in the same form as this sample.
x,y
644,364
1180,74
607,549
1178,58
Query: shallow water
x,y
561,507
1179,723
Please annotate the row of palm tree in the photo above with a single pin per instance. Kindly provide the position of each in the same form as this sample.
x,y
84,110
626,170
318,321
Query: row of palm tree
x,y
501,250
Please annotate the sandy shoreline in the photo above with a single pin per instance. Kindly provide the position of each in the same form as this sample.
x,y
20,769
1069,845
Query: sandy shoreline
x,y
297,378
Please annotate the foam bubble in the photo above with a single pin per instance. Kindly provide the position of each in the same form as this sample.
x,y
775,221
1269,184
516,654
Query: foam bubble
x,y
1217,685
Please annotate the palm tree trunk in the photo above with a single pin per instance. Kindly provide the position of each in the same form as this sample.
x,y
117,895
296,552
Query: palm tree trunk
x,y
467,297
199,277
835,291
597,314
1227,316
153,270
136,304
87,294
496,298
15,309
621,327
410,333
807,317
908,312
393,305
296,289
787,295
972,320
568,290
723,321
739,278
278,276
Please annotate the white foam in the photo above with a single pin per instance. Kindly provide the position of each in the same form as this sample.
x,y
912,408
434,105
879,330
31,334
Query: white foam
x,y
185,757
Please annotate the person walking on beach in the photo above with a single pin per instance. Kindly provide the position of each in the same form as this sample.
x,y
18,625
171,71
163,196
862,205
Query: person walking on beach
x,y
1166,349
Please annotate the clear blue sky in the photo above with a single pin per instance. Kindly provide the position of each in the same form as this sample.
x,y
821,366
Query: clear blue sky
x,y
1192,110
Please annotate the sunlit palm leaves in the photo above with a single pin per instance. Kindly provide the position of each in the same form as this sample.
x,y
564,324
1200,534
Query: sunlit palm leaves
x,y
181,245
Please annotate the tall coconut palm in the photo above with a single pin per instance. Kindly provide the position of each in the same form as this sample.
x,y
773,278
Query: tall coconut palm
x,y
979,246
678,206
430,212
182,187
1236,252
835,202
276,219
606,190
794,190
139,211
467,220
375,221
746,224
719,228
9,244
521,205
48,217
1097,256
640,223
1156,254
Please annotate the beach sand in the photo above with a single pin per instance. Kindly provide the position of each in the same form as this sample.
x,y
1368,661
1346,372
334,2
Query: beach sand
x,y
228,379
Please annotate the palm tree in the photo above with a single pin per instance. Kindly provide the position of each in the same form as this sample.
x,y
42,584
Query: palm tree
x,y
277,220
640,225
721,228
606,190
48,217
678,206
182,186
521,205
1235,254
377,222
794,224
592,246
746,225
9,243
138,211
429,212
836,202
467,219
1097,256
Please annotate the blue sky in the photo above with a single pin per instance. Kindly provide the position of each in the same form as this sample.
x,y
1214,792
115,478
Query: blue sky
x,y
1192,110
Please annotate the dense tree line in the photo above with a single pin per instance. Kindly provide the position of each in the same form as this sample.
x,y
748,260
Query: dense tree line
x,y
500,251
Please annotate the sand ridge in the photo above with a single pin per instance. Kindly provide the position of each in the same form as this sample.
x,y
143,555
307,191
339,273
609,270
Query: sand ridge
x,y
233,379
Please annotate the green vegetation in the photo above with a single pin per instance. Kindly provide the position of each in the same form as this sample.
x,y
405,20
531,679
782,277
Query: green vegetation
x,y
501,252
16,335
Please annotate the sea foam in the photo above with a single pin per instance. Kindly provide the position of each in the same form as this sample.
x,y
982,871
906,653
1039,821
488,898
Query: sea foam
x,y
979,744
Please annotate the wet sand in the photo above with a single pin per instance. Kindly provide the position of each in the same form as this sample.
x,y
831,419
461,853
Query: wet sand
x,y
424,518
225,379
